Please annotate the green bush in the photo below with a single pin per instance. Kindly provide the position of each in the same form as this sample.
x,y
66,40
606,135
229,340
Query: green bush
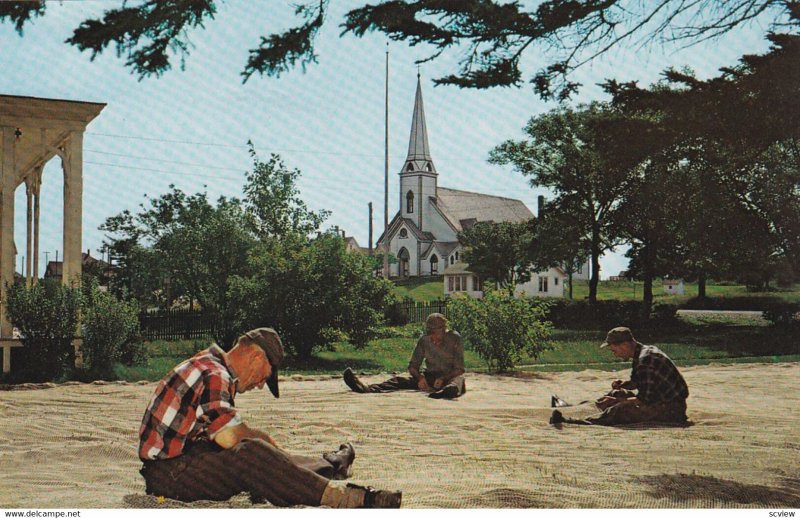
x,y
603,314
110,332
312,292
751,303
500,328
46,316
664,313
781,313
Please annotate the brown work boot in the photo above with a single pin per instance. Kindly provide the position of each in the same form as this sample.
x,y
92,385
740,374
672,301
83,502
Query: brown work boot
x,y
342,460
378,498
352,381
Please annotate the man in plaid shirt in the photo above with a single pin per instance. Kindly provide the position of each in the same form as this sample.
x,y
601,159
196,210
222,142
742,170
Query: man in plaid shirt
x,y
661,391
195,446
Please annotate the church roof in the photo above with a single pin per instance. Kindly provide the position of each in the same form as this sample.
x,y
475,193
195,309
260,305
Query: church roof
x,y
463,209
419,152
442,248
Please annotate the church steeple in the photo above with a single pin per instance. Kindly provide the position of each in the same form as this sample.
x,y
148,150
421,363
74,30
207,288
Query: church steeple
x,y
419,155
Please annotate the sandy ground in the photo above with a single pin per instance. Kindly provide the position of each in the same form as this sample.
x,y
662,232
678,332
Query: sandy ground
x,y
75,445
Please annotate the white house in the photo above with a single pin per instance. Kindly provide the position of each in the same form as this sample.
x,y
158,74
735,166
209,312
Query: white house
x,y
458,279
423,235
673,286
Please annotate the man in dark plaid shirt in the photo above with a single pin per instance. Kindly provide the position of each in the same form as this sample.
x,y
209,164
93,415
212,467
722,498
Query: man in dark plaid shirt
x,y
661,391
195,446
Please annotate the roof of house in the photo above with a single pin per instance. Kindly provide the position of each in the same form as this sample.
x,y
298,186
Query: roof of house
x,y
463,208
457,268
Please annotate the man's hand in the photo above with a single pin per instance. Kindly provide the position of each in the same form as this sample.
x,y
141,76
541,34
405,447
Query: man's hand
x,y
438,383
422,384
617,384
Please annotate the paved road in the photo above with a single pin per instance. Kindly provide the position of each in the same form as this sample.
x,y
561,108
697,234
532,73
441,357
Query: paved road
x,y
718,312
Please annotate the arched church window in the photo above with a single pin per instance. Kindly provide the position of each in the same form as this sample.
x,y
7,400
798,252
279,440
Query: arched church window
x,y
403,233
410,167
428,167
434,265
452,259
410,202
456,256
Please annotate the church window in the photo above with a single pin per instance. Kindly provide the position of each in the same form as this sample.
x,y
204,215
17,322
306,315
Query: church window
x,y
450,282
476,283
452,259
410,167
429,168
434,265
555,281
410,202
403,233
456,256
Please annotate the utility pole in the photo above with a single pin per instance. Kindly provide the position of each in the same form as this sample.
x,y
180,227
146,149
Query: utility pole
x,y
386,175
370,229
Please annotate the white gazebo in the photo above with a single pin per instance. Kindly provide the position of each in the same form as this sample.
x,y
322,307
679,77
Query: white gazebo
x,y
34,131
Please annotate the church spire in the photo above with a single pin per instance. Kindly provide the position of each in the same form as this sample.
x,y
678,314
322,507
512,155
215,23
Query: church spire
x,y
419,154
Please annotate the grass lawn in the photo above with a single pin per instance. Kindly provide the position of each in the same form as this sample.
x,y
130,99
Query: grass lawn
x,y
420,289
425,289
697,340
626,290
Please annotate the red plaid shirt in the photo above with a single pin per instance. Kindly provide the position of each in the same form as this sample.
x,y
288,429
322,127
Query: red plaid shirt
x,y
195,399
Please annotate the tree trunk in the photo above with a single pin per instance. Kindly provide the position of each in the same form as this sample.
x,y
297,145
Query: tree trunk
x,y
570,285
647,275
595,278
647,299
701,286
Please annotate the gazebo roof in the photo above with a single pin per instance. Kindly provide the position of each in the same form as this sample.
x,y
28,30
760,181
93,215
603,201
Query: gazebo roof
x,y
42,125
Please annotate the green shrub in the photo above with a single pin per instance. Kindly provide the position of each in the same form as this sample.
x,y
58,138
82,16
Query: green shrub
x,y
312,292
46,315
603,314
500,328
110,332
781,313
664,313
751,303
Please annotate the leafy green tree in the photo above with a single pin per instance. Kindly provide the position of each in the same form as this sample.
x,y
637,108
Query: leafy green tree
x,y
490,37
272,200
497,252
564,152
314,292
501,328
560,238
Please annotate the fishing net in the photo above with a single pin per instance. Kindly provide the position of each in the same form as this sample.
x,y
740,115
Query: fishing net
x,y
75,445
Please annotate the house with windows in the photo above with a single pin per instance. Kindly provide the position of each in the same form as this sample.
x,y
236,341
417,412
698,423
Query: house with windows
x,y
423,234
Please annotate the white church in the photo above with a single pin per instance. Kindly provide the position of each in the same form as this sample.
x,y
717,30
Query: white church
x,y
423,233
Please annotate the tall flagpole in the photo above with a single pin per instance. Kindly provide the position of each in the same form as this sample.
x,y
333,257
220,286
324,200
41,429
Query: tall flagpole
x,y
386,175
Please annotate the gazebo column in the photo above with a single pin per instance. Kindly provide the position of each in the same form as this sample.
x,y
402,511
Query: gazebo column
x,y
8,185
37,187
28,232
72,162
73,208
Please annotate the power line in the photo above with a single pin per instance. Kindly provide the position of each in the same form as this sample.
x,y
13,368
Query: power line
x,y
166,161
218,177
236,146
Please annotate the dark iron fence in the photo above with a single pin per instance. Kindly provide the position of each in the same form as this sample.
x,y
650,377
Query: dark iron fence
x,y
176,324
411,311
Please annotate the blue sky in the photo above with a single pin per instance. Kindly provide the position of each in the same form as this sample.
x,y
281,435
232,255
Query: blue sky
x,y
190,127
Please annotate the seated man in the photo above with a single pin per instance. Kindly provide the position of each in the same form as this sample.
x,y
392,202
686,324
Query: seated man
x,y
661,390
444,365
195,446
